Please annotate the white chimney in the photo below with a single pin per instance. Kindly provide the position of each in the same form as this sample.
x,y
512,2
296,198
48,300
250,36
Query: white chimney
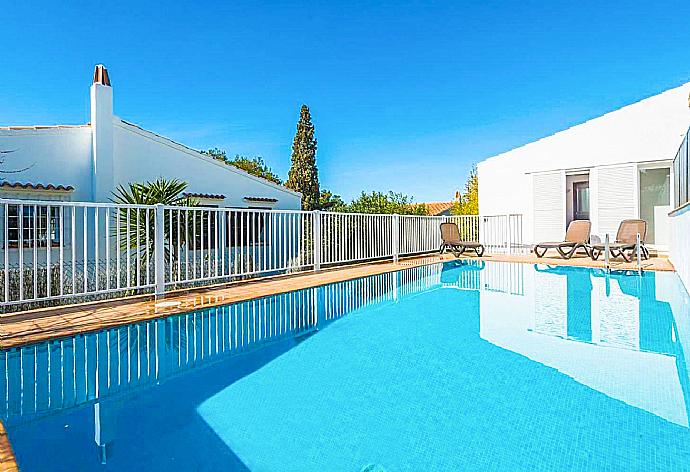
x,y
102,182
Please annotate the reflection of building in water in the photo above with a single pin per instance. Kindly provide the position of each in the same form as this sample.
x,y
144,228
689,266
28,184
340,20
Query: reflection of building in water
x,y
616,312
506,278
611,332
550,316
479,275
607,309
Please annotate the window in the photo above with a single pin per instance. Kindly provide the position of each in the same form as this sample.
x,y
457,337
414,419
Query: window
x,y
206,228
245,229
33,223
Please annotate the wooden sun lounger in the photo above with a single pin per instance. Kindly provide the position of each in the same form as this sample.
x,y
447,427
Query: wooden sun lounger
x,y
625,244
451,240
576,237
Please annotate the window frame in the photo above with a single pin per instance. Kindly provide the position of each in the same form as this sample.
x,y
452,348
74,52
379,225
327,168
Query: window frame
x,y
32,212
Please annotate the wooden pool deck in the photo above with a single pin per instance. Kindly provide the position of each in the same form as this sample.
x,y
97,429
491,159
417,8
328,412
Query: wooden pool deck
x,y
48,323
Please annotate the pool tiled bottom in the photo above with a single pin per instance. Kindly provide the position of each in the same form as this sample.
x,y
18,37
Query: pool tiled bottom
x,y
414,386
455,366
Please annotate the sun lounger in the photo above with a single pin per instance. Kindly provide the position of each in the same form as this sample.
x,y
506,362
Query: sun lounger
x,y
576,237
450,237
625,244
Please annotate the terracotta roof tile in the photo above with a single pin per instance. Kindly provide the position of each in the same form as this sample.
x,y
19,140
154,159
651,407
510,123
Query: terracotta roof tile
x,y
437,208
30,186
261,199
39,127
210,196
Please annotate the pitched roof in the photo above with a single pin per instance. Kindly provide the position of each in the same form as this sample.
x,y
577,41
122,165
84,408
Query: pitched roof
x,y
136,128
437,208
648,130
30,186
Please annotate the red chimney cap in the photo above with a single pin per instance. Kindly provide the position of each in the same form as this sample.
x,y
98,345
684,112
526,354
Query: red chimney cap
x,y
100,75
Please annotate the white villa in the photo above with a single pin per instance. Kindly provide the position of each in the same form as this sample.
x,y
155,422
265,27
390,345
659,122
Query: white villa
x,y
87,162
610,168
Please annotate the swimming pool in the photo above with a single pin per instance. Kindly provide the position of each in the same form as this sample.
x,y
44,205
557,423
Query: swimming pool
x,y
456,366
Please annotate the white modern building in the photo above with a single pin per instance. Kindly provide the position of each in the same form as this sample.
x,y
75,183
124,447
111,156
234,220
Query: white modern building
x,y
610,168
87,162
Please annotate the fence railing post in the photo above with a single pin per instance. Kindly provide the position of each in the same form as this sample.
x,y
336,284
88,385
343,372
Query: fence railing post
x,y
159,250
316,240
607,248
510,235
395,238
481,232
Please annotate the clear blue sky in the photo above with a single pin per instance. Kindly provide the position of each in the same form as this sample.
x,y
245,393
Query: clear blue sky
x,y
405,96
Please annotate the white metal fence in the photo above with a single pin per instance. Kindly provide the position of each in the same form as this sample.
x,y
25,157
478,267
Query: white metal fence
x,y
81,251
57,250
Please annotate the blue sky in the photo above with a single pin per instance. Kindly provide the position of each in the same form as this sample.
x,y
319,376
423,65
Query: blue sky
x,y
405,96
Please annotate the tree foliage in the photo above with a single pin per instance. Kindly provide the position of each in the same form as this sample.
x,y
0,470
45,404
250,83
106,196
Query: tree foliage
x,y
469,200
304,176
252,165
139,233
167,192
331,202
386,203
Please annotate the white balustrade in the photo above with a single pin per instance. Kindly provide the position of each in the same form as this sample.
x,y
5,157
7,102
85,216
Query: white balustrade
x,y
82,251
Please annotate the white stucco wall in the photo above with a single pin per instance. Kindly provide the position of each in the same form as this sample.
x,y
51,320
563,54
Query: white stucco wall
x,y
96,158
140,155
645,131
679,251
58,156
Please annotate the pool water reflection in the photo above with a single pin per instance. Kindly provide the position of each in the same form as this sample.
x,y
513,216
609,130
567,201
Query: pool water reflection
x,y
490,366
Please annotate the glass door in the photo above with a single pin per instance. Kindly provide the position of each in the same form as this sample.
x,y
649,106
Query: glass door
x,y
581,200
655,203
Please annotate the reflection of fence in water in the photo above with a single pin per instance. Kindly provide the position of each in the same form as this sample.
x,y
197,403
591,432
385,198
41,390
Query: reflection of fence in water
x,y
476,275
420,278
504,277
65,373
343,297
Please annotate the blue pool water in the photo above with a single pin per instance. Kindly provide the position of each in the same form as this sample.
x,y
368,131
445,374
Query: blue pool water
x,y
462,366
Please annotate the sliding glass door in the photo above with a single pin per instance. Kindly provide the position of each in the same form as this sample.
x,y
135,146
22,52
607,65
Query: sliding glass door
x,y
655,203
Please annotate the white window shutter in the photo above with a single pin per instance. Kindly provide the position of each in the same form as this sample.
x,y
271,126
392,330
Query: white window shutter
x,y
549,206
616,198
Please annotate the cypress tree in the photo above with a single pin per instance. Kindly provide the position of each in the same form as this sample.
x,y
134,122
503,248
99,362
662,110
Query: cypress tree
x,y
304,176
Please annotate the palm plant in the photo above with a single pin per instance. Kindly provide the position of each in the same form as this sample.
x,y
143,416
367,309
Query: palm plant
x,y
137,226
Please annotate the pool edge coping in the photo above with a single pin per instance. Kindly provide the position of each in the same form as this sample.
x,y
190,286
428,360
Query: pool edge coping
x,y
47,323
8,462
